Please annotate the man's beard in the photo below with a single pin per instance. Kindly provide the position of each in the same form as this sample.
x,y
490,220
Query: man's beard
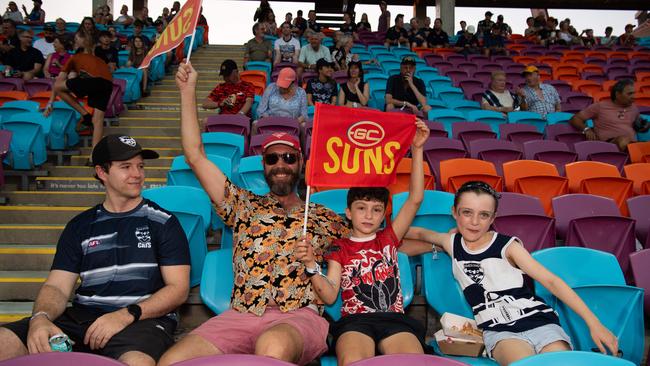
x,y
283,188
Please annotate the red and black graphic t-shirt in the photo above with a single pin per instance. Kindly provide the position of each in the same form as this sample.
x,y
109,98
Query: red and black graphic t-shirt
x,y
235,94
369,276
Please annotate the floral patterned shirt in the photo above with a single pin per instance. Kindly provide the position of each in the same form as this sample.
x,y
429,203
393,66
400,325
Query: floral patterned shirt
x,y
264,235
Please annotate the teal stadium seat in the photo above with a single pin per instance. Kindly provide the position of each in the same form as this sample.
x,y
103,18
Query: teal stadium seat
x,y
28,148
573,358
529,118
334,199
63,124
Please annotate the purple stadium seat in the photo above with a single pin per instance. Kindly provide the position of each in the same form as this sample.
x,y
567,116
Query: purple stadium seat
x,y
5,142
519,133
115,104
470,131
491,67
641,273
561,86
455,58
495,151
522,216
340,76
457,74
602,151
233,360
432,58
436,129
472,91
407,359
579,100
515,68
473,83
478,58
564,132
639,207
281,65
9,84
233,123
255,146
554,152
62,359
597,77
437,149
483,75
267,125
37,85
572,206
595,61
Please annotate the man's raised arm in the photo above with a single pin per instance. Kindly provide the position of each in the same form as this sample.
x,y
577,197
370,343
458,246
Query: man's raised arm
x,y
210,176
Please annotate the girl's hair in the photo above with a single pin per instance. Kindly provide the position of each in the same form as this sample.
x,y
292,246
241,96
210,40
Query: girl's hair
x,y
359,65
137,59
478,187
65,41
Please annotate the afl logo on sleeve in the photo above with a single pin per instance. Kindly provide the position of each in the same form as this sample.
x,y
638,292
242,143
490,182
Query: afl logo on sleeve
x,y
143,236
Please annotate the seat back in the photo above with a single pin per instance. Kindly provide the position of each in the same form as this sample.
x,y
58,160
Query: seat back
x,y
519,133
455,172
581,170
267,125
403,175
639,152
519,204
572,206
640,211
554,152
441,290
334,199
37,85
495,151
180,174
573,358
217,280
529,118
228,145
28,147
437,149
408,359
251,174
536,232
641,274
639,173
526,168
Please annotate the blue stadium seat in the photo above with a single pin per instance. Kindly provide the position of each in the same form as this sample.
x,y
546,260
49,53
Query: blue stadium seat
x,y
463,105
387,65
133,79
529,118
262,66
28,147
256,102
446,116
448,93
251,174
377,99
492,118
358,47
372,69
10,108
376,81
436,104
334,199
228,145
194,219
376,48
644,136
122,58
364,56
573,358
217,280
558,117
63,124
402,52
157,67
436,82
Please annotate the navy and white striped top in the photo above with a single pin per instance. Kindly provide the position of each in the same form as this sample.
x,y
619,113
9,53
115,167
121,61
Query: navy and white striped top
x,y
495,289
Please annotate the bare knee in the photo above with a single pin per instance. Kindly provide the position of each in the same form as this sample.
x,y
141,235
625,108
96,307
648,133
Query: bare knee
x,y
508,351
12,346
622,143
282,342
556,346
136,358
192,346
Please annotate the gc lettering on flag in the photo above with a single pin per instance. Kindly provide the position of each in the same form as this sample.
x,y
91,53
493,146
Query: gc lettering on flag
x,y
357,147
183,25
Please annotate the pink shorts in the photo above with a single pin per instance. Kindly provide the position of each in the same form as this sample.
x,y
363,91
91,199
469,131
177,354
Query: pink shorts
x,y
233,332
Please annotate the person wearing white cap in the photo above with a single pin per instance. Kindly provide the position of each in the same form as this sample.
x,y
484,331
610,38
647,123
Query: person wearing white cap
x,y
274,311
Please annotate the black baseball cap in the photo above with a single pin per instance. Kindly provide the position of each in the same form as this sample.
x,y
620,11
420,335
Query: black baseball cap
x,y
408,60
227,67
322,63
119,148
488,13
49,28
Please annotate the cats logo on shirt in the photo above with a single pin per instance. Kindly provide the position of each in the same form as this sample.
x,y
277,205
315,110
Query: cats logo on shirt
x,y
474,271
144,237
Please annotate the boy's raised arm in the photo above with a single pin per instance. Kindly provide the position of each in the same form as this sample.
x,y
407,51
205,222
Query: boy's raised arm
x,y
416,187
210,176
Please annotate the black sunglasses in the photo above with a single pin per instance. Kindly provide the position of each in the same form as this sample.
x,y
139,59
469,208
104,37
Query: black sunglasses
x,y
273,158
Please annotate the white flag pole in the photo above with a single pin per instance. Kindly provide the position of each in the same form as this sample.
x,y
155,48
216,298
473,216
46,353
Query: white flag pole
x,y
189,53
304,226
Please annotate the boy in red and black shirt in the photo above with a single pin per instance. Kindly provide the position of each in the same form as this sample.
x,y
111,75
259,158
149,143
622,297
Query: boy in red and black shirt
x,y
365,268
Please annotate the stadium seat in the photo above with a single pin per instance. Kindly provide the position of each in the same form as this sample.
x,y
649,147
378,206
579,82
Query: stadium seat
x,y
29,142
448,93
334,199
535,178
122,58
640,211
63,121
255,145
11,84
233,123
217,280
268,125
228,145
564,132
115,104
470,131
376,81
601,151
10,108
436,129
62,358
437,149
446,116
34,86
492,118
403,173
495,151
194,218
592,177
455,172
133,77
571,206
6,96
255,77
639,152
573,358
641,273
522,216
180,174
530,118
261,66
519,133
463,105
554,152
42,98
408,359
558,117
251,174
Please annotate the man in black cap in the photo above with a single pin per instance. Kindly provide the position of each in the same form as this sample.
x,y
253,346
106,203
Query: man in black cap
x,y
485,26
405,91
234,95
46,44
132,258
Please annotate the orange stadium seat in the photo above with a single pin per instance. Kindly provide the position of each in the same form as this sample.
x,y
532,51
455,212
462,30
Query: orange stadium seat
x,y
535,178
42,98
404,177
596,54
642,99
574,54
572,59
455,172
600,95
526,60
608,84
586,86
7,96
593,177
516,47
642,86
617,54
639,55
639,152
590,68
643,76
253,75
639,173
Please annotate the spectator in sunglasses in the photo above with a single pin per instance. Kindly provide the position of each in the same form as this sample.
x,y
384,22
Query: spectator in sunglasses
x,y
273,309
616,120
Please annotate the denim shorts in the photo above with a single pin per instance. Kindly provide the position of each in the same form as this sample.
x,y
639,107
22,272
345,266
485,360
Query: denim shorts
x,y
538,338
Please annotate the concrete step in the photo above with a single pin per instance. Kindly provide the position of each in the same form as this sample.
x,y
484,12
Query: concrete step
x,y
14,311
85,184
163,161
150,130
50,215
54,198
16,257
21,285
161,150
29,234
85,171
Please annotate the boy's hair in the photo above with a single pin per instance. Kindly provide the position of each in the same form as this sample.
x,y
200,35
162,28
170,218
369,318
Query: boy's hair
x,y
379,194
478,187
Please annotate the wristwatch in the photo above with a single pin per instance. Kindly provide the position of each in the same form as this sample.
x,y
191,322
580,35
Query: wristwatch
x,y
584,130
135,310
313,271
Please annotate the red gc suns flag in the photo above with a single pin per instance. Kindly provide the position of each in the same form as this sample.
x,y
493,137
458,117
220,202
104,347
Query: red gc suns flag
x,y
354,147
183,25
